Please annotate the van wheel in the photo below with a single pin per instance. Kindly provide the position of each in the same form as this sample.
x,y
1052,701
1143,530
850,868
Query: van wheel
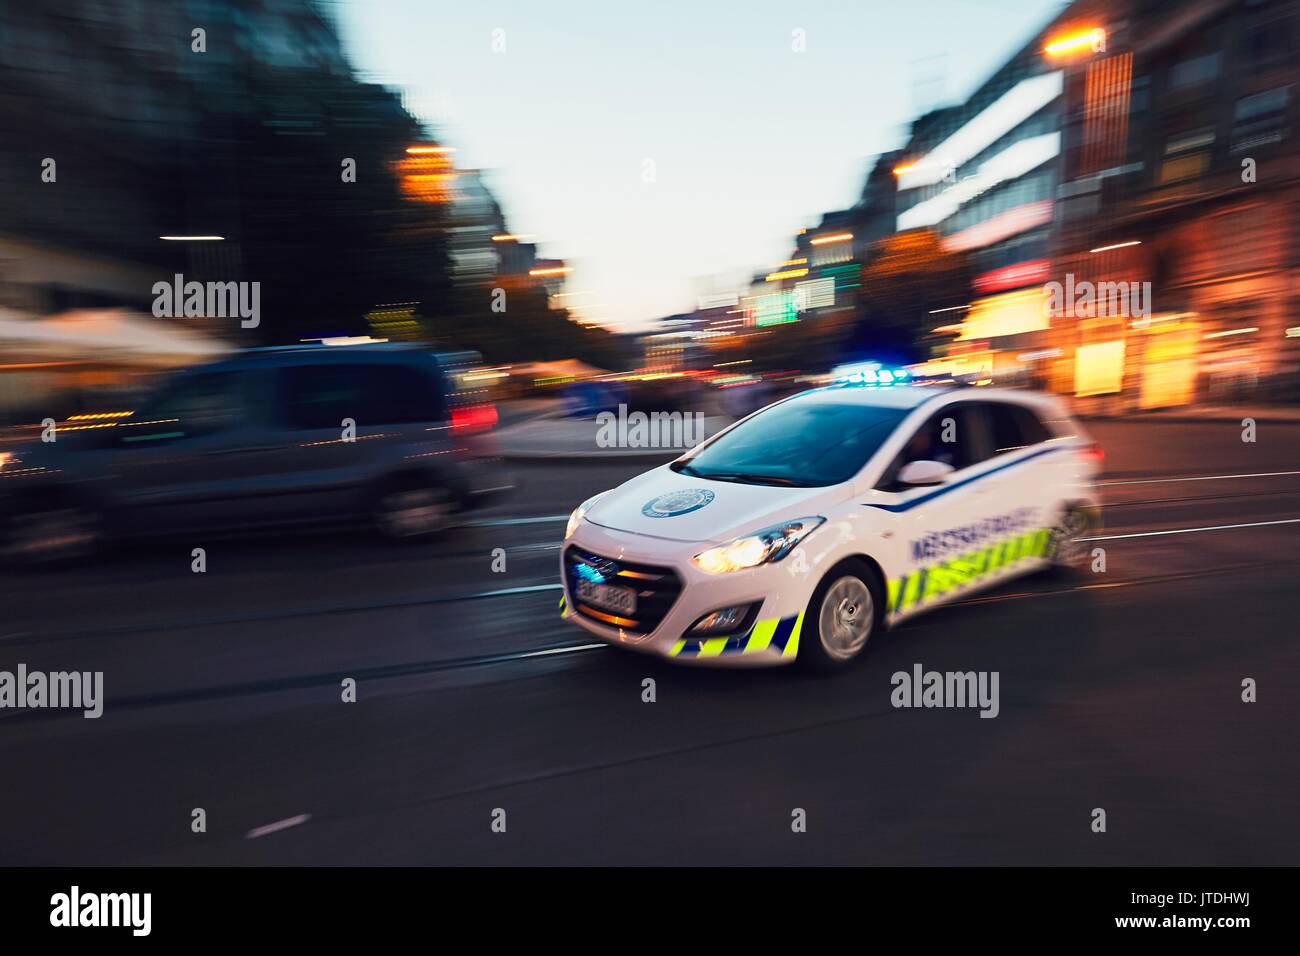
x,y
52,532
412,510
844,613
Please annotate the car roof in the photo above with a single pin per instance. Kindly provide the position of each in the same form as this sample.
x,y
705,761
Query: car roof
x,y
887,396
910,396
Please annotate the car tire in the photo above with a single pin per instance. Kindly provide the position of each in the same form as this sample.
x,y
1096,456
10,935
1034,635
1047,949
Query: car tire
x,y
1068,553
844,613
51,531
411,510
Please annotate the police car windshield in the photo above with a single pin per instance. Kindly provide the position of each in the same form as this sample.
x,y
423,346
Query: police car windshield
x,y
799,443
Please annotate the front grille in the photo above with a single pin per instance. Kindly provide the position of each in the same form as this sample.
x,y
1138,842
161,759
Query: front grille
x,y
656,589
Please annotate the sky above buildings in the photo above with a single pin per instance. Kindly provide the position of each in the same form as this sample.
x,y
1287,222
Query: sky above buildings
x,y
671,149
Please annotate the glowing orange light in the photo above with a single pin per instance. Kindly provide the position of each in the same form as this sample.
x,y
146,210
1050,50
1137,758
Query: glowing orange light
x,y
905,168
836,237
427,174
788,274
557,271
1094,39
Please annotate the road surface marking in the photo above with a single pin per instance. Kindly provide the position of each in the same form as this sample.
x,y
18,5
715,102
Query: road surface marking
x,y
277,826
505,522
522,589
1161,481
1217,527
552,651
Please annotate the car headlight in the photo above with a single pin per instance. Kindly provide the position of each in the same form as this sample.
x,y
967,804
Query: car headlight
x,y
762,547
580,512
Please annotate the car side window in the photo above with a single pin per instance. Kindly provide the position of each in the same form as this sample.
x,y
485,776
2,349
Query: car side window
x,y
1012,427
322,396
192,407
952,435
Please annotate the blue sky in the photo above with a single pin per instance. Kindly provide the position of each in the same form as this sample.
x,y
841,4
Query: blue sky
x,y
749,140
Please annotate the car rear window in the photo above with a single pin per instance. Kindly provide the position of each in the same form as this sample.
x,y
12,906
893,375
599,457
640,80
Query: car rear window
x,y
1012,427
370,393
800,443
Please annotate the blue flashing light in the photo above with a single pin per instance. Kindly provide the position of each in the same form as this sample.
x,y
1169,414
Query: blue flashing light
x,y
871,374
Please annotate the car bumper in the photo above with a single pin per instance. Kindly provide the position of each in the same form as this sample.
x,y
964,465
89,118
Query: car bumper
x,y
780,592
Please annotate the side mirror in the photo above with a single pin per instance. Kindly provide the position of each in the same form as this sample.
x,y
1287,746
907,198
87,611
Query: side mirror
x,y
924,473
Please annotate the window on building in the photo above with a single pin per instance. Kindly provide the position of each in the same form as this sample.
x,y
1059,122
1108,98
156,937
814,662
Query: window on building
x,y
1140,94
1186,155
1260,119
1194,70
1268,42
1189,141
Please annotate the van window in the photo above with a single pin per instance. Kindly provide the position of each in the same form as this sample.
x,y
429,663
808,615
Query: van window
x,y
192,406
322,396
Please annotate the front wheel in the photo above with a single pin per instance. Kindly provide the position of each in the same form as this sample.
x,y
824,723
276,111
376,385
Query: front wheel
x,y
411,511
842,616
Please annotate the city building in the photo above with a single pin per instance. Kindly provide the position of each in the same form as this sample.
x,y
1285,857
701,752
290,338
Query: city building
x,y
985,174
1190,185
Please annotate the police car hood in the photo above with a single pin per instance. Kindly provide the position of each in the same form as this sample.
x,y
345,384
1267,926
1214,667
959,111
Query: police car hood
x,y
664,504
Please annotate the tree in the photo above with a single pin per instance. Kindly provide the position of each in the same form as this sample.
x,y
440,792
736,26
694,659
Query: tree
x,y
907,277
327,250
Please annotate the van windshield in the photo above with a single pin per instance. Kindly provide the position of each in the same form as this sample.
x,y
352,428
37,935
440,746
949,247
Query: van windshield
x,y
803,444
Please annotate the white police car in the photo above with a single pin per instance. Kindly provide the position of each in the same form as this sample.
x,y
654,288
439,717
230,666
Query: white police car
x,y
804,528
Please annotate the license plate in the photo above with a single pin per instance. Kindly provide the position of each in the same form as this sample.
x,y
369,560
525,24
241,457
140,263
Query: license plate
x,y
608,596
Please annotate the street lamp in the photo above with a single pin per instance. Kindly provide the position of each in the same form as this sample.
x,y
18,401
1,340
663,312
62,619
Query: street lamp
x,y
1092,40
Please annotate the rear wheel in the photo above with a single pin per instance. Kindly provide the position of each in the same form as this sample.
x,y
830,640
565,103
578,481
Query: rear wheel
x,y
411,510
1069,550
842,616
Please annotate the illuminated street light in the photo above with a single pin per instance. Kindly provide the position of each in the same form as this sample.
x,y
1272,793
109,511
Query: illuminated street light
x,y
836,237
556,271
193,238
1093,40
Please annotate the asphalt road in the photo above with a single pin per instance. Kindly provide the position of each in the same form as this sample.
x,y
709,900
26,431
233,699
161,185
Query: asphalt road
x,y
1119,691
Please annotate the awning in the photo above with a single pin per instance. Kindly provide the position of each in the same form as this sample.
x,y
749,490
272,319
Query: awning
x,y
109,336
